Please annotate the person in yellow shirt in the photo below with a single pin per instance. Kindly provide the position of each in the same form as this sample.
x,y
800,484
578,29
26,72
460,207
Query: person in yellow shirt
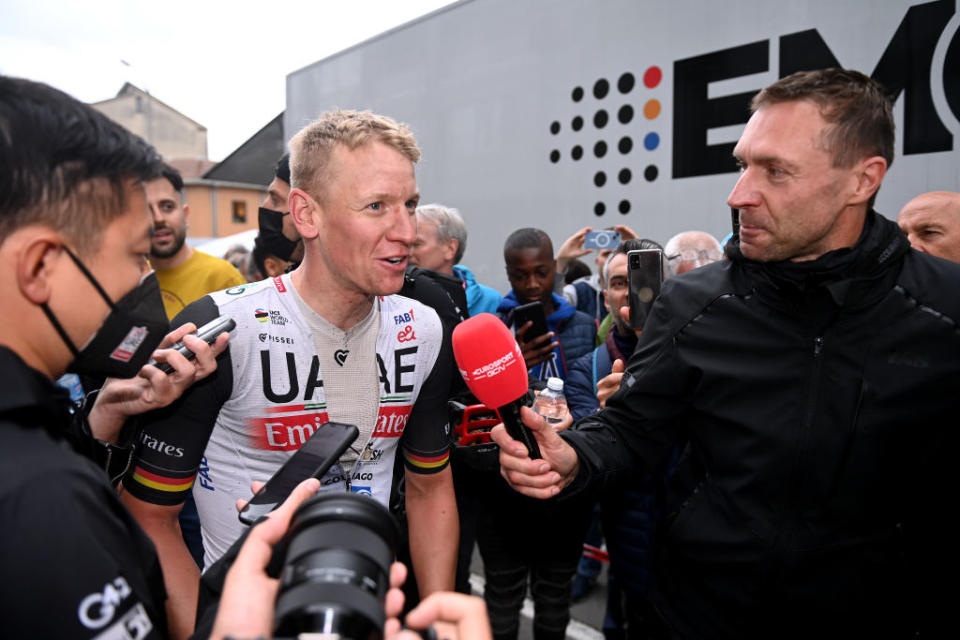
x,y
185,274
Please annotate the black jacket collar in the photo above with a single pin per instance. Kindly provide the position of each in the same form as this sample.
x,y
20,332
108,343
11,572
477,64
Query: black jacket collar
x,y
26,390
851,278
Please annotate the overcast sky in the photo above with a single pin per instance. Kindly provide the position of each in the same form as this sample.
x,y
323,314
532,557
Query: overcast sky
x,y
222,64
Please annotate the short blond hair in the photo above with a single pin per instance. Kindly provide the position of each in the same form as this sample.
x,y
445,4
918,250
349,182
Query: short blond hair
x,y
312,146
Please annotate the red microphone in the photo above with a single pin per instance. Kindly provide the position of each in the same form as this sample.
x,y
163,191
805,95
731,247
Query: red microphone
x,y
492,365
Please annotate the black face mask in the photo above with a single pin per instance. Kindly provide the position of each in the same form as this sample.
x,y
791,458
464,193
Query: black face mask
x,y
124,343
271,234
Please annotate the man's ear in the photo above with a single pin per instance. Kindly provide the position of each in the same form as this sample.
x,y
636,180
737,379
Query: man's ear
x,y
869,174
453,245
37,261
305,212
274,266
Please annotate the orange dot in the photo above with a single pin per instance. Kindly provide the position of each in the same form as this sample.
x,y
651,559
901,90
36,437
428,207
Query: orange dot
x,y
652,109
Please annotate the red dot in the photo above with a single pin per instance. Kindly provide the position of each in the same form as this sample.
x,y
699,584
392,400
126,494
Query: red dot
x,y
652,77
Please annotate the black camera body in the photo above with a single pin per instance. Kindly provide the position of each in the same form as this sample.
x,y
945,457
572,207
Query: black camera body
x,y
336,569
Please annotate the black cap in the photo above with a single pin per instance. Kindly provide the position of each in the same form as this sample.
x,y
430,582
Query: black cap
x,y
282,170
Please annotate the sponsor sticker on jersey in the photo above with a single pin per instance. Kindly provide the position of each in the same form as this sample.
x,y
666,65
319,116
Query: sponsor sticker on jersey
x,y
287,432
129,345
391,421
261,315
371,455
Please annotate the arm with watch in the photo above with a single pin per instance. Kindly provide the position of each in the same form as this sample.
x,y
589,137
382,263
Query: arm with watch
x,y
105,428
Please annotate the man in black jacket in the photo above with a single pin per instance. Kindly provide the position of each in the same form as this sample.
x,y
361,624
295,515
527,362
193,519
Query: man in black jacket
x,y
815,376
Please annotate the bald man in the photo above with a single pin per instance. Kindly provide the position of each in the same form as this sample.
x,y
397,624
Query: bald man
x,y
691,249
932,224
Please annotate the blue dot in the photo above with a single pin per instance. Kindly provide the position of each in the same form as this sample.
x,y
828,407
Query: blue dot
x,y
651,141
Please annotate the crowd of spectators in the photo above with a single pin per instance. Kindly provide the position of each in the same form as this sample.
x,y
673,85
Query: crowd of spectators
x,y
765,457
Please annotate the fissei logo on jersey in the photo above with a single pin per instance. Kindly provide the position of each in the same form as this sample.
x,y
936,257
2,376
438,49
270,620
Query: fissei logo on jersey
x,y
99,608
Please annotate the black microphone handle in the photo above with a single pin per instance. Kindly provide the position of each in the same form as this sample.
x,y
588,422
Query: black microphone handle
x,y
510,414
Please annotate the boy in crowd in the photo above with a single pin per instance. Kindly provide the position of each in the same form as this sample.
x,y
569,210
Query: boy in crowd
x,y
531,269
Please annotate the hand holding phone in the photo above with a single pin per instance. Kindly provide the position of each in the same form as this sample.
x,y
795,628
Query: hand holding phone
x,y
601,239
313,459
527,312
208,333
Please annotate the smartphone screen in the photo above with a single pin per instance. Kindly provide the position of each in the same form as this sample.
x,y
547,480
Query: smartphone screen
x,y
645,272
601,239
312,460
531,311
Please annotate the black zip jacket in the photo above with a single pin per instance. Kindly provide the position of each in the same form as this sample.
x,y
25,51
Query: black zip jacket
x,y
820,401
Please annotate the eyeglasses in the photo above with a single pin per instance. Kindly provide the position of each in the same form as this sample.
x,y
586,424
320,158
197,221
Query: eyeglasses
x,y
702,256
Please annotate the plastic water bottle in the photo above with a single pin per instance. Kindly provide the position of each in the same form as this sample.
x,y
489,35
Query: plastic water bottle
x,y
551,403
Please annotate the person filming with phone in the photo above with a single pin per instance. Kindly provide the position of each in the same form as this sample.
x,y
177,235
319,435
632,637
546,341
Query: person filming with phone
x,y
553,333
814,375
522,539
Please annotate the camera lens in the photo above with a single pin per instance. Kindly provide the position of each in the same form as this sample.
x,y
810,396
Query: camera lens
x,y
337,568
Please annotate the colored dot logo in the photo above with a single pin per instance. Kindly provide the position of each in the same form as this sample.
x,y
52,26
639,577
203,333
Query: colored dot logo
x,y
261,315
614,117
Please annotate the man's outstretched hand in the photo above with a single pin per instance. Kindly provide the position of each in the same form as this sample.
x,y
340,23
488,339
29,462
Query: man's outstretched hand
x,y
543,478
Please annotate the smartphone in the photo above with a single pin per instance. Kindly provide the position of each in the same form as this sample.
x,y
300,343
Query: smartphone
x,y
645,273
312,460
531,311
601,239
208,333
735,220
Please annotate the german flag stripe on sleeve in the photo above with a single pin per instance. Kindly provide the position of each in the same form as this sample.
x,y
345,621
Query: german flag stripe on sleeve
x,y
427,463
161,483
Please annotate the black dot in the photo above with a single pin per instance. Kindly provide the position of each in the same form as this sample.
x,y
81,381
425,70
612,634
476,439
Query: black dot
x,y
624,176
554,127
600,149
599,178
577,152
577,123
601,88
650,173
577,94
599,208
625,145
624,207
554,156
600,119
625,83
625,114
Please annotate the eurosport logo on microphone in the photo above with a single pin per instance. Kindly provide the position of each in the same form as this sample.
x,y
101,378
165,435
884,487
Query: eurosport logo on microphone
x,y
492,369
